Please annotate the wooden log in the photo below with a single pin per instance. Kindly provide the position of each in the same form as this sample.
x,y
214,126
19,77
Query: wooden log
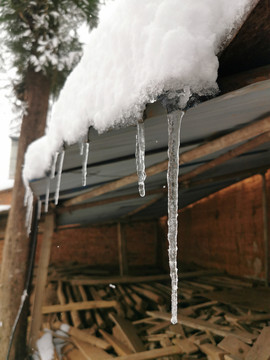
x,y
41,280
158,327
261,348
234,346
128,332
119,347
136,279
91,352
152,354
99,320
83,305
62,301
205,325
223,142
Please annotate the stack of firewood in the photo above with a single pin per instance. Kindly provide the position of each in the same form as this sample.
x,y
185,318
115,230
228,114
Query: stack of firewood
x,y
131,320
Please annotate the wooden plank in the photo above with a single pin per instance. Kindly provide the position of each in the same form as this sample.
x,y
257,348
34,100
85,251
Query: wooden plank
x,y
91,352
149,294
83,305
186,346
128,332
85,336
205,325
62,300
212,352
223,142
234,346
152,354
41,279
241,149
136,279
122,250
261,347
119,347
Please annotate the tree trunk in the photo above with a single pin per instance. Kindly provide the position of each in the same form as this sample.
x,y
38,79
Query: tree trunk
x,y
17,244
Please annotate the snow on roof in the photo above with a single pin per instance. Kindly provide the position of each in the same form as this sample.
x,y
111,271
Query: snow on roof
x,y
140,50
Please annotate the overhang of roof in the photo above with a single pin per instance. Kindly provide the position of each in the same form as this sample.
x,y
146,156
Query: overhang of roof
x,y
112,153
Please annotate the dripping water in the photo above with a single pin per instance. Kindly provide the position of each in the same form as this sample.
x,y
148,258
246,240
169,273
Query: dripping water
x,y
85,161
140,157
174,126
59,175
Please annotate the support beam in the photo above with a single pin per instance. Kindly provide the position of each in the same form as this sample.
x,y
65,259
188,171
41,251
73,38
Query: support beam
x,y
248,132
45,253
249,145
265,228
122,250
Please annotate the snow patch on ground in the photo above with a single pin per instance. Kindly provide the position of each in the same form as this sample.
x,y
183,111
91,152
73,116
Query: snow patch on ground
x,y
140,50
6,184
4,208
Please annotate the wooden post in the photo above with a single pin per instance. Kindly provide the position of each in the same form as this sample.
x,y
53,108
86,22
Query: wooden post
x,y
265,229
41,280
122,250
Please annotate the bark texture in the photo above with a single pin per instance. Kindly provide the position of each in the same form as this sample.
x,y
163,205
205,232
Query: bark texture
x,y
17,245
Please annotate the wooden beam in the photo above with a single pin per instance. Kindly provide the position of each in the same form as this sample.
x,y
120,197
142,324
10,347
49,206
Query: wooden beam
x,y
64,209
249,131
83,305
249,145
153,354
42,272
122,250
203,325
265,228
136,279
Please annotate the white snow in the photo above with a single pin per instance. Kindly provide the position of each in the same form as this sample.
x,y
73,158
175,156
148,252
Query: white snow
x,y
45,346
139,50
4,208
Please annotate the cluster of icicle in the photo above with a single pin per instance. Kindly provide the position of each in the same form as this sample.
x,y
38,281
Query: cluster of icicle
x,y
174,125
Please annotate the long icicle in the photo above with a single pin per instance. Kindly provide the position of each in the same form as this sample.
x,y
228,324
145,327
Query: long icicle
x,y
140,157
84,164
174,126
47,194
59,175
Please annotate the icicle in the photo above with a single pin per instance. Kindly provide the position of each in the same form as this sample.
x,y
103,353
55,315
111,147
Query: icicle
x,y
174,125
54,165
27,194
59,175
39,209
140,157
47,194
82,148
84,164
29,212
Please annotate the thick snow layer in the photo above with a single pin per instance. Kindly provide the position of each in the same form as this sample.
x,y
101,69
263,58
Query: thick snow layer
x,y
139,50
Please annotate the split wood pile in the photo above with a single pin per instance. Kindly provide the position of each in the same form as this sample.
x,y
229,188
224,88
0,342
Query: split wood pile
x,y
220,318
